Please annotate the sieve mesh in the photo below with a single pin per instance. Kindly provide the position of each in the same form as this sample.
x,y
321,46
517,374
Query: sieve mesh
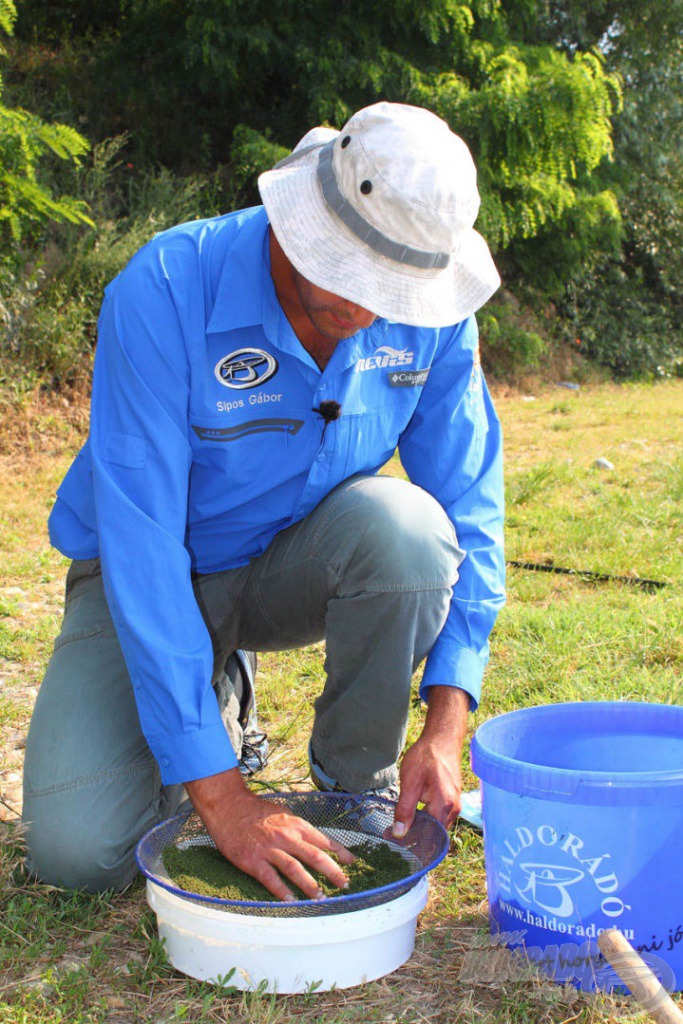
x,y
350,819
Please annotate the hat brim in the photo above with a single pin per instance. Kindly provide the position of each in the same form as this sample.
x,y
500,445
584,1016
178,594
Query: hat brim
x,y
329,255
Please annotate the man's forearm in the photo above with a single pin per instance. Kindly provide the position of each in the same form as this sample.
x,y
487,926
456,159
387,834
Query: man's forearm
x,y
446,719
209,795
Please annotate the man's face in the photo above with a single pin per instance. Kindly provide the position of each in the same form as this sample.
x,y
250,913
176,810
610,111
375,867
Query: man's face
x,y
332,316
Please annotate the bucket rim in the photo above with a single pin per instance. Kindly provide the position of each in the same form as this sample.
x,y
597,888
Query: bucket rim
x,y
547,780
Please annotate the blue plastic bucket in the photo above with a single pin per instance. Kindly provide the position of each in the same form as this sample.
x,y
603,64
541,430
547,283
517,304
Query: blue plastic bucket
x,y
583,831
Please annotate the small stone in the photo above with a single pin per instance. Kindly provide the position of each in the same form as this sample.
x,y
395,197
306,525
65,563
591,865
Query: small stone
x,y
39,985
528,398
134,959
68,965
603,464
568,384
94,938
125,969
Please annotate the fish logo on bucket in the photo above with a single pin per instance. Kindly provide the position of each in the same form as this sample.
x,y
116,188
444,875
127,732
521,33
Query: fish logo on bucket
x,y
552,872
547,886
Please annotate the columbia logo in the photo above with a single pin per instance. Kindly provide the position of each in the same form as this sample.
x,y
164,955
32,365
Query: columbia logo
x,y
385,356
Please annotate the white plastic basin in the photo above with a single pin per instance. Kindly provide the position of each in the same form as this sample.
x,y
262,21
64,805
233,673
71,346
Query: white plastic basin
x,y
287,955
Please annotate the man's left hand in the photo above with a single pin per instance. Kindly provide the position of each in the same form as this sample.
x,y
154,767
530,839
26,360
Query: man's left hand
x,y
430,770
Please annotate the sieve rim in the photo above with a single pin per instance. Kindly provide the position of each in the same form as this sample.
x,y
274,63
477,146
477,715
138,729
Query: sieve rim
x,y
290,908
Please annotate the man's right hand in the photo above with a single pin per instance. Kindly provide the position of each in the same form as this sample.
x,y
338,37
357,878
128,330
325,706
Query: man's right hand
x,y
265,839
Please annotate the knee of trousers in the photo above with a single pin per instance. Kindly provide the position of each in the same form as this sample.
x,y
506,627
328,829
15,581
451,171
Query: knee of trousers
x,y
74,848
392,535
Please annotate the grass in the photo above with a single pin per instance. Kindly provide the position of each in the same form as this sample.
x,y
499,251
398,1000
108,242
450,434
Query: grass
x,y
76,958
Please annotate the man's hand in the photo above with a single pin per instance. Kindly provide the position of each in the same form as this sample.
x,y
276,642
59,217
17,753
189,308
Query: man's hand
x,y
430,770
265,839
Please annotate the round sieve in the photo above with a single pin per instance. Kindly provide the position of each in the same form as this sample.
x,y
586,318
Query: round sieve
x,y
350,819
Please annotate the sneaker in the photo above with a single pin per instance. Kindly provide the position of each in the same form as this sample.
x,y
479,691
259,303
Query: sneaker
x,y
254,754
321,780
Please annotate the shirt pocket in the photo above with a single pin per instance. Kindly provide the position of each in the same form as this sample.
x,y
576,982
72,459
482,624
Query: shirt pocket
x,y
373,435
125,450
245,460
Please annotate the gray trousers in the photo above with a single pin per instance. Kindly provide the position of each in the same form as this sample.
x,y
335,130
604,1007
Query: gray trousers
x,y
370,570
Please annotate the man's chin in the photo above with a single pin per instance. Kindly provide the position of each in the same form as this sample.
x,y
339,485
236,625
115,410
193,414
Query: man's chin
x,y
337,329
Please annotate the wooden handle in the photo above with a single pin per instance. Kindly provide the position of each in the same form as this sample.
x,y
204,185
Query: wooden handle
x,y
634,972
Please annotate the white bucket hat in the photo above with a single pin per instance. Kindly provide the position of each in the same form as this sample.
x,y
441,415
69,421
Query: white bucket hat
x,y
381,213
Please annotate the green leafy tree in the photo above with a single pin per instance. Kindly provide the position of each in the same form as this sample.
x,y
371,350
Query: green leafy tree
x,y
626,304
25,201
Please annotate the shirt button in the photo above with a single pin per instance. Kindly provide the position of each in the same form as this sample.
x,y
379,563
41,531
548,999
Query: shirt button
x,y
164,762
322,386
320,457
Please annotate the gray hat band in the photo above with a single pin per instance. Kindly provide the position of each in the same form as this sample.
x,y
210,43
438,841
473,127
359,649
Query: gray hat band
x,y
357,224
365,231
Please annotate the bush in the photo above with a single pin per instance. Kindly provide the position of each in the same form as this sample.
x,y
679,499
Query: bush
x,y
50,313
624,324
26,202
510,346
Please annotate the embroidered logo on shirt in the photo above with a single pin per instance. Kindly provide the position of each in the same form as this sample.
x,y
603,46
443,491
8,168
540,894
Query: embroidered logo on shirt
x,y
385,356
408,378
245,368
244,429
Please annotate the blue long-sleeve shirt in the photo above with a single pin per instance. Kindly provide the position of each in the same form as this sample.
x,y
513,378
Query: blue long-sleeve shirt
x,y
203,445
